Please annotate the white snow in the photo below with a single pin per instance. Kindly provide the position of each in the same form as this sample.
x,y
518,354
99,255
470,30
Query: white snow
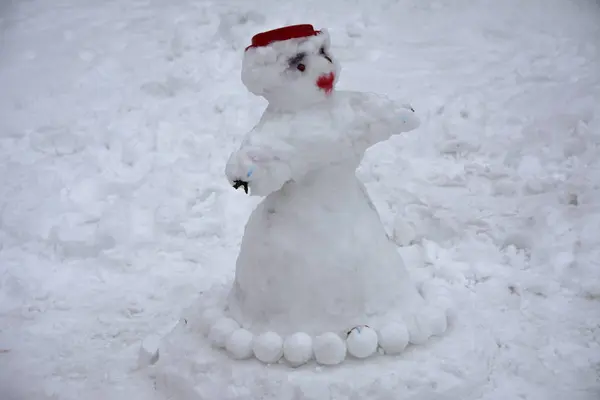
x,y
117,120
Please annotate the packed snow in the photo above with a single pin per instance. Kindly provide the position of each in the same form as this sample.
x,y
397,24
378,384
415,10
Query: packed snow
x,y
298,348
116,123
362,341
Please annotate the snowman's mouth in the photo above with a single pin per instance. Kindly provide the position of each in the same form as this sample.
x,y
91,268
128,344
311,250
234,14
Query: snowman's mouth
x,y
325,82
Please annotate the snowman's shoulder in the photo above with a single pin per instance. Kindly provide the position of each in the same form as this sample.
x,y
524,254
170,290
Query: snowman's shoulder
x,y
272,128
273,121
347,98
361,101
352,107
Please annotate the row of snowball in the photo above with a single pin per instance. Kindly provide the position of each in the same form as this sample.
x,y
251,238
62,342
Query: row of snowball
x,y
299,348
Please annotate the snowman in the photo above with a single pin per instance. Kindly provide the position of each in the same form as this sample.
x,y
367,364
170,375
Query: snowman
x,y
317,275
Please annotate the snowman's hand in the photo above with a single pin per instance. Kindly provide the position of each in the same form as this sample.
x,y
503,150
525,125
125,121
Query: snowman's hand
x,y
408,107
256,171
238,183
239,170
377,118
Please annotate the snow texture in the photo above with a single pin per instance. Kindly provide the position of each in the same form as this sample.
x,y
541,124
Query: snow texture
x,y
117,119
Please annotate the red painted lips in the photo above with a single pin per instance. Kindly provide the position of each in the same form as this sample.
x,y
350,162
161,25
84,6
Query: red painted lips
x,y
325,82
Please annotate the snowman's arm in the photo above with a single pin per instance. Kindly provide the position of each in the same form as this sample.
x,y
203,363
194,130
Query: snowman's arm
x,y
260,169
275,153
377,118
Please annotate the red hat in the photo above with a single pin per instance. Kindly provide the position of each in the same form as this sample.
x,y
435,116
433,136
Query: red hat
x,y
287,32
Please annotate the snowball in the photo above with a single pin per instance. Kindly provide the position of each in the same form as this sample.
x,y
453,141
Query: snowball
x,y
330,349
418,328
298,348
239,344
362,341
208,319
268,347
221,330
393,338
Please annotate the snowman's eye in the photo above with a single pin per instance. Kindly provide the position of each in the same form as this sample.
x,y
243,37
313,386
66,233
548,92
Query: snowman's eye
x,y
323,53
296,62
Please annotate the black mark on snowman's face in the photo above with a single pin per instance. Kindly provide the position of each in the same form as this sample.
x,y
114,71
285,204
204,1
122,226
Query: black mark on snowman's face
x,y
296,62
323,52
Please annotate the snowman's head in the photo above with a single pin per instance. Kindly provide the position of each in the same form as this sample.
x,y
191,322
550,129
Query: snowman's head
x,y
291,67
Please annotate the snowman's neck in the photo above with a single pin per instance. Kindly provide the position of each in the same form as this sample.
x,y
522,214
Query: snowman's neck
x,y
285,102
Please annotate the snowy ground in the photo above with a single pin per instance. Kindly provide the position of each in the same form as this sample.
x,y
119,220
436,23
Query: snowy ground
x,y
117,118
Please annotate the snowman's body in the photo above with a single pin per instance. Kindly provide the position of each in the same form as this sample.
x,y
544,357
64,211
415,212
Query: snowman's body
x,y
315,258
